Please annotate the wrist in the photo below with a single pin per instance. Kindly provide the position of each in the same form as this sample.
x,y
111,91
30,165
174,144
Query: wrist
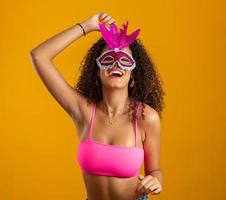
x,y
86,26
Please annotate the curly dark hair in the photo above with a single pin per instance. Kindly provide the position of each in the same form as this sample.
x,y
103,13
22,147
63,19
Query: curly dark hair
x,y
147,89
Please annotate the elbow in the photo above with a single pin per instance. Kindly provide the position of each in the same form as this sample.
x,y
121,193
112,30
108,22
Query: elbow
x,y
34,55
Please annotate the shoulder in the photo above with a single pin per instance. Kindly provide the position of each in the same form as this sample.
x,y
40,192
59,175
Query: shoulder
x,y
150,113
151,120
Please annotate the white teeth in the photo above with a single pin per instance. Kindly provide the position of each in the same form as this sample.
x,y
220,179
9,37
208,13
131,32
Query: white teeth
x,y
115,72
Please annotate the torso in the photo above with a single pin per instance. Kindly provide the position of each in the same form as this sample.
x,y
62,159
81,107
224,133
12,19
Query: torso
x,y
120,134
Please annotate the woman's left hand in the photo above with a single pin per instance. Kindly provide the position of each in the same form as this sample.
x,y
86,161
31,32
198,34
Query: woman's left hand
x,y
148,184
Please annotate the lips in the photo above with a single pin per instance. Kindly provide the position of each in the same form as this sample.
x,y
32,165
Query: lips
x,y
112,70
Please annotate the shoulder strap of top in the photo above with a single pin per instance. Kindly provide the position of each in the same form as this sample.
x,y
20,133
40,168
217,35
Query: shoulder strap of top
x,y
136,117
91,120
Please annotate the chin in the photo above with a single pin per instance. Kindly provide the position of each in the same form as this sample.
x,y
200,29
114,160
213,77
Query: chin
x,y
119,86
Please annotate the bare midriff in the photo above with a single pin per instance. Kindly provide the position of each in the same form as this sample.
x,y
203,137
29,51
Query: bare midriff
x,y
110,188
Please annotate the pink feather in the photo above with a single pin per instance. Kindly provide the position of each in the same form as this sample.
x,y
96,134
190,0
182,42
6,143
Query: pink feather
x,y
117,37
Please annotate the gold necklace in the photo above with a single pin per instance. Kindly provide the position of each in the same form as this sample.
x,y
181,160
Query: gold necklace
x,y
113,122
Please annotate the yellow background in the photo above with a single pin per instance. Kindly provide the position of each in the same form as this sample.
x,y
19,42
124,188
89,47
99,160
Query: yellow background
x,y
38,141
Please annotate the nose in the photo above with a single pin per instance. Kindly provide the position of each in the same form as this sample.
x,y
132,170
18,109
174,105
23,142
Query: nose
x,y
116,64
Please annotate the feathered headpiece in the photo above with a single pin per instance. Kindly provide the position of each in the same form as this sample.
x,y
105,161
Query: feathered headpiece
x,y
117,38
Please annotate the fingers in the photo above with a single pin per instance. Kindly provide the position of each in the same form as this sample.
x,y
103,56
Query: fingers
x,y
148,184
102,16
106,19
140,176
111,21
148,187
144,182
156,191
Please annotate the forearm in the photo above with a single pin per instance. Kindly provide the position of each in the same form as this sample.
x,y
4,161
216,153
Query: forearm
x,y
57,43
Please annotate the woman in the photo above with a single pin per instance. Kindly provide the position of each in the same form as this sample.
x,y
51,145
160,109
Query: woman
x,y
116,103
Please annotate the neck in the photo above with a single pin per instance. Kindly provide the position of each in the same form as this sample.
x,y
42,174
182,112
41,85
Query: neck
x,y
115,102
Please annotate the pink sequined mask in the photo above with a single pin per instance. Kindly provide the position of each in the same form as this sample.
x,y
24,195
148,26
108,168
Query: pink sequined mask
x,y
116,40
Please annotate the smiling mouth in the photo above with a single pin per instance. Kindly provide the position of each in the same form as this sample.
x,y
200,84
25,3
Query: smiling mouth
x,y
115,74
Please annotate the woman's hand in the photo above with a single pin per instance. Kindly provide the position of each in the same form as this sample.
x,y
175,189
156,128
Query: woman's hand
x,y
148,184
91,24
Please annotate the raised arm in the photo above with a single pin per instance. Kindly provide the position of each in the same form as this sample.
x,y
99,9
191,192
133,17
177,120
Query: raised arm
x,y
44,53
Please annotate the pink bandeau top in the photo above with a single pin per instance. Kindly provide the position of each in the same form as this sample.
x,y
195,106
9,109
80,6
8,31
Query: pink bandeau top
x,y
109,160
